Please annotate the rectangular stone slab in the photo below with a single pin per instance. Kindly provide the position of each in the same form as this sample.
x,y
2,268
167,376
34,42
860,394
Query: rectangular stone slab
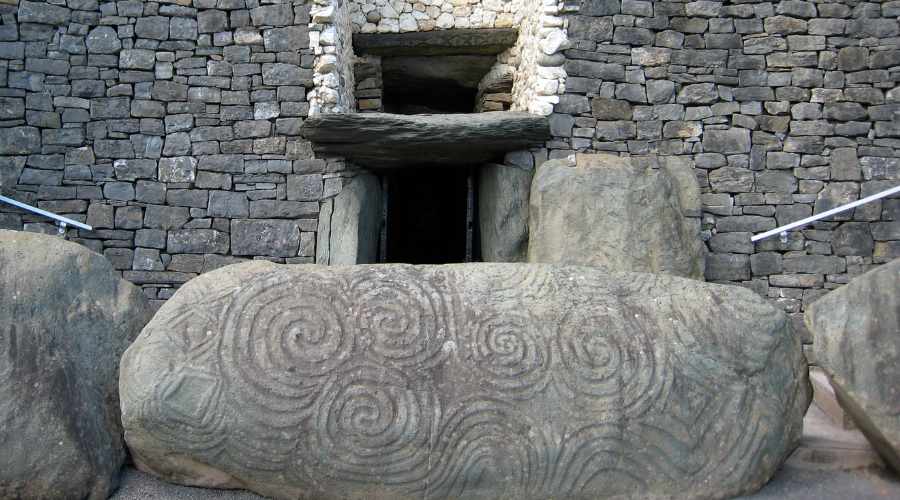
x,y
484,41
463,381
391,140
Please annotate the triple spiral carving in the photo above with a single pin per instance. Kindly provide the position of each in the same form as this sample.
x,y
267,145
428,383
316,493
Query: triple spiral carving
x,y
345,377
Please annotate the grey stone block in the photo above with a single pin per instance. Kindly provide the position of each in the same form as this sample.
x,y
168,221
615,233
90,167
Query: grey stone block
x,y
853,238
286,74
197,241
103,40
137,59
285,39
20,141
120,191
178,169
272,15
728,141
130,170
165,217
274,238
43,13
151,238
307,187
152,27
228,204
727,267
110,107
275,209
167,91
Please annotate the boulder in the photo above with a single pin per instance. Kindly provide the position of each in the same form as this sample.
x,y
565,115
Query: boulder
x,y
856,337
611,212
463,381
503,192
67,318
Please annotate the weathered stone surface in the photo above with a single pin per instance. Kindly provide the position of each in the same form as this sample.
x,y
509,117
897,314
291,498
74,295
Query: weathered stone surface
x,y
608,212
432,43
383,140
273,238
20,141
67,318
43,13
735,140
353,224
463,381
286,74
503,192
857,343
103,40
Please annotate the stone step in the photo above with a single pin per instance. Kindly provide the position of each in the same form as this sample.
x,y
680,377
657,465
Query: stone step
x,y
825,399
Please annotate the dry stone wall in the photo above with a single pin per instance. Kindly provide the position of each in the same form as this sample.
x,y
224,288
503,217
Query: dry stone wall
x,y
786,108
172,126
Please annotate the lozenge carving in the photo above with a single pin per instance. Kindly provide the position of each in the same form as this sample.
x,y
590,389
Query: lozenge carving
x,y
463,381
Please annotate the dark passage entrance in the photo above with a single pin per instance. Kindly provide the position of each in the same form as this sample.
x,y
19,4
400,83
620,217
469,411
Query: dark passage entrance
x,y
428,216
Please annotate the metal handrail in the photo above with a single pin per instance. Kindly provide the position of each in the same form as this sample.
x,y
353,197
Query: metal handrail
x,y
802,222
62,221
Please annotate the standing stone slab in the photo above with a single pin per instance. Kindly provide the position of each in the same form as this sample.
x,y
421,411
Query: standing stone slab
x,y
607,211
463,381
355,223
856,331
503,192
66,320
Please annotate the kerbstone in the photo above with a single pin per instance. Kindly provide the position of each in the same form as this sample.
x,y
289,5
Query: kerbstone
x,y
494,408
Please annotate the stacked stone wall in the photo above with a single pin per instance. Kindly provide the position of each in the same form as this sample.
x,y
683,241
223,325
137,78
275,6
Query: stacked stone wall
x,y
786,108
173,126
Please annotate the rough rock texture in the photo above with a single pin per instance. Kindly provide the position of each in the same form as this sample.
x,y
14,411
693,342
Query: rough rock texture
x,y
354,224
388,140
66,320
485,41
463,381
856,333
611,212
503,192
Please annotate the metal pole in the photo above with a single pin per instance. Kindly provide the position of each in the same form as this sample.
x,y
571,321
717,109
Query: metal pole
x,y
63,221
843,208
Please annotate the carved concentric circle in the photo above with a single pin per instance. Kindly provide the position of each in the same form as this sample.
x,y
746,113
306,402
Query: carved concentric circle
x,y
507,348
402,318
282,337
607,354
373,423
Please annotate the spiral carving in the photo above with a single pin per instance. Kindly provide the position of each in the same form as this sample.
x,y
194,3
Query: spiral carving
x,y
488,440
276,349
606,354
374,423
507,348
403,319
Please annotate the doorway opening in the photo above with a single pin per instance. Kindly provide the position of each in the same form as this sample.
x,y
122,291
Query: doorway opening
x,y
429,215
